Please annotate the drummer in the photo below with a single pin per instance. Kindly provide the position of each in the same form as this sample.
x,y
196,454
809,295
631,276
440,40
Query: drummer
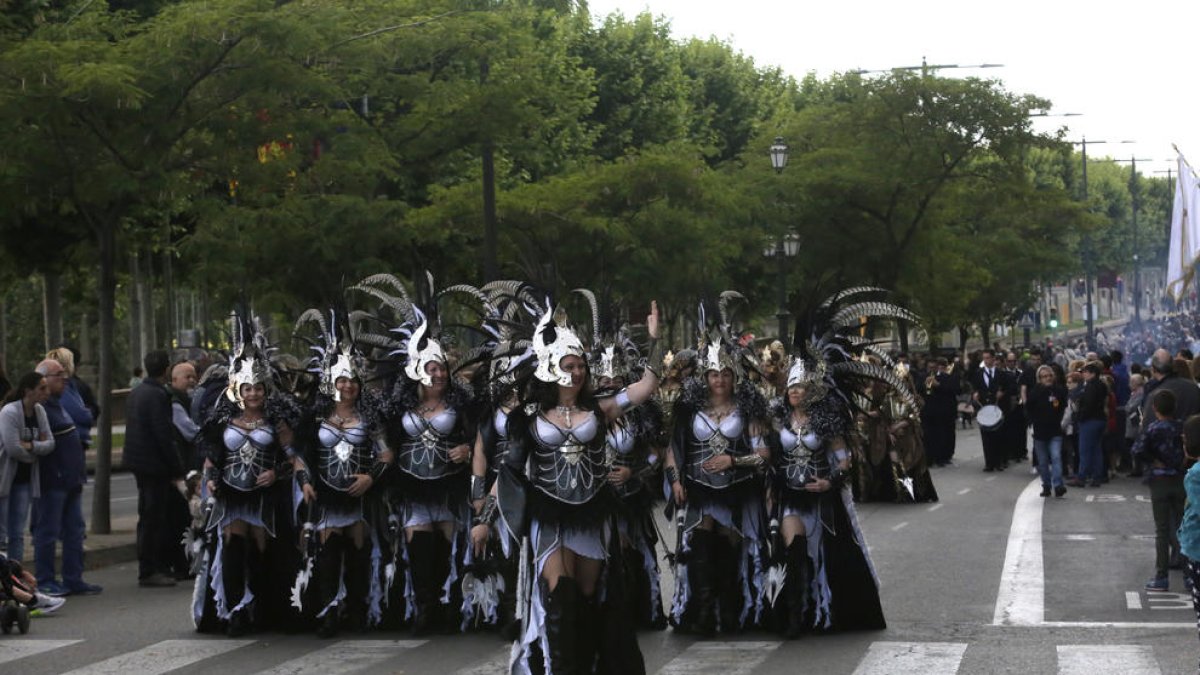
x,y
993,387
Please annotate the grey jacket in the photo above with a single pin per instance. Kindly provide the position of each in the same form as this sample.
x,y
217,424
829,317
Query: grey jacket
x,y
12,420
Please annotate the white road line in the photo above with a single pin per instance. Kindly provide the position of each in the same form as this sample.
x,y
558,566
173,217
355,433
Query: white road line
x,y
1080,537
989,479
496,665
935,507
347,656
12,649
1100,659
912,658
122,499
964,491
1021,599
720,658
1191,626
1133,600
161,657
900,526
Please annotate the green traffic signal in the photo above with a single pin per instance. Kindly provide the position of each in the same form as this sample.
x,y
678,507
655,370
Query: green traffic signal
x,y
1054,323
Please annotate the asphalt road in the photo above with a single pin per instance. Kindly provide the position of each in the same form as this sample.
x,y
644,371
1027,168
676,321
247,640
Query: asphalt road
x,y
992,579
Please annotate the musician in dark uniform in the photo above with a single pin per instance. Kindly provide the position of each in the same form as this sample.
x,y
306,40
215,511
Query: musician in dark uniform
x,y
941,409
992,387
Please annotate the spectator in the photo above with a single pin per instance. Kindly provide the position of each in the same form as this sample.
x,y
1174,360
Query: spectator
x,y
151,455
24,437
1189,527
1046,404
1120,373
183,384
59,511
1133,421
211,385
1091,417
1187,394
1160,446
83,413
137,377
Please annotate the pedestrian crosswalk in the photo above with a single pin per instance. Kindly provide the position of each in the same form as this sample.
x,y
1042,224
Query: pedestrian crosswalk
x,y
743,657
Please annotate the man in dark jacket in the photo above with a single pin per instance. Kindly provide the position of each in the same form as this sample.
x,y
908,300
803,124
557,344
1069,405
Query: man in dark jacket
x,y
1187,394
60,510
939,412
151,455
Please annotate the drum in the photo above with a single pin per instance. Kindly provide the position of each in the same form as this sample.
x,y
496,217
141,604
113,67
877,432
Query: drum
x,y
990,417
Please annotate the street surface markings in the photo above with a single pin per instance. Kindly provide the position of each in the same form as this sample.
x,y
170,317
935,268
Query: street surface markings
x,y
19,648
935,507
494,666
964,491
162,657
720,658
1133,600
1101,659
912,658
1021,600
346,656
900,526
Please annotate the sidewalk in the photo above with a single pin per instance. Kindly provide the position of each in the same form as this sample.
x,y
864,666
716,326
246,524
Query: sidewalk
x,y
99,550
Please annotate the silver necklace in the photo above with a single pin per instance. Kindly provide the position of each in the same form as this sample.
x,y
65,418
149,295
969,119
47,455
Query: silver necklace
x,y
342,421
565,411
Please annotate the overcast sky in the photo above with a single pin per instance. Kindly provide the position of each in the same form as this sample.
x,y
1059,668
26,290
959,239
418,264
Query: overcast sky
x,y
1132,74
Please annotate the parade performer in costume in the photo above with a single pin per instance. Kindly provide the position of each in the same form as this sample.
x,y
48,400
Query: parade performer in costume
x,y
343,456
634,450
714,470
247,441
828,580
910,465
429,430
555,497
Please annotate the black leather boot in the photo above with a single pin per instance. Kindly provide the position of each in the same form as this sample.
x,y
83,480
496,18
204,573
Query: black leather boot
x,y
358,585
562,626
796,589
701,571
729,587
440,562
587,640
329,575
425,588
233,577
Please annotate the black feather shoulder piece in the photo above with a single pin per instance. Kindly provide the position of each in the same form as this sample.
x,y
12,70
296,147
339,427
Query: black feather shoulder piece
x,y
750,401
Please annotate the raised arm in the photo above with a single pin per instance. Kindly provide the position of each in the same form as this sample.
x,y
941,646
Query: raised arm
x,y
639,392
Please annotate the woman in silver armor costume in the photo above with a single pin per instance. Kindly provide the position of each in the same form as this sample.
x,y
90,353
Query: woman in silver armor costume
x,y
247,441
714,470
828,579
555,496
344,456
634,461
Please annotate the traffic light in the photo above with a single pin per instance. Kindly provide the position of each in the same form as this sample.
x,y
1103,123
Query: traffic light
x,y
1053,318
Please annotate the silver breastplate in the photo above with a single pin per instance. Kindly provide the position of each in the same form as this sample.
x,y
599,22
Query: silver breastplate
x,y
710,439
618,447
500,446
565,464
247,454
342,454
425,451
801,460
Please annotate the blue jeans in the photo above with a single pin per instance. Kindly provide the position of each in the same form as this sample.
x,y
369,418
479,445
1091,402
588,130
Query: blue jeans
x,y
1091,454
60,516
1049,460
17,505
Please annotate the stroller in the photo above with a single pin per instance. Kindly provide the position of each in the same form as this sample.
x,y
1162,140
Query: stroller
x,y
16,596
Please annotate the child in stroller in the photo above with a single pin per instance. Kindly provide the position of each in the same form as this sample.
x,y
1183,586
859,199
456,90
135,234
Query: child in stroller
x,y
19,597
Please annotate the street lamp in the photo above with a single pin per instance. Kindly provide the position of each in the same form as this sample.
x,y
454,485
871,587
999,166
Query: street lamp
x,y
1087,263
1137,271
786,247
925,68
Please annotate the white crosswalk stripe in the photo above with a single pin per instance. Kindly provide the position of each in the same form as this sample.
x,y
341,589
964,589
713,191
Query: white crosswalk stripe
x,y
1107,659
12,649
347,656
162,657
912,658
720,658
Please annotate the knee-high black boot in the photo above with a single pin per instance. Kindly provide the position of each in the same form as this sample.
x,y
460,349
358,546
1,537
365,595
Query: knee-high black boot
x,y
587,640
233,573
444,615
562,626
701,573
729,586
796,589
329,576
358,585
507,619
421,550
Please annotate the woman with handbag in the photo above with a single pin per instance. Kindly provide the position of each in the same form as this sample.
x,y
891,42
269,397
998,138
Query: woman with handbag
x,y
24,436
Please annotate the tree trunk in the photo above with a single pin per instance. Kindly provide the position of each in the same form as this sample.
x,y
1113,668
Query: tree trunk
x,y
146,293
135,313
985,331
107,235
52,309
170,331
902,329
4,333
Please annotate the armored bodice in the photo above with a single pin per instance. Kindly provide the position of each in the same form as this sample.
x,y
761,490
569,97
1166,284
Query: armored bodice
x,y
568,464
709,438
248,453
342,453
425,448
802,458
499,446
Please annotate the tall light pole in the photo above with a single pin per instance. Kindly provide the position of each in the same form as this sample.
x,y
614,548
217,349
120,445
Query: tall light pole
x,y
1088,253
1135,202
925,68
779,160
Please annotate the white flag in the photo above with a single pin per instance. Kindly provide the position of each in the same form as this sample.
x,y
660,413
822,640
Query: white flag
x,y
1185,231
